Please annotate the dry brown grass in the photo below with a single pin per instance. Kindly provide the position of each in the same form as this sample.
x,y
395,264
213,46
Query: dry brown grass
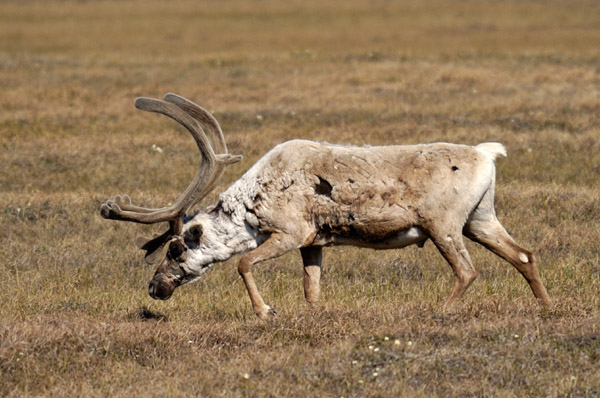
x,y
75,318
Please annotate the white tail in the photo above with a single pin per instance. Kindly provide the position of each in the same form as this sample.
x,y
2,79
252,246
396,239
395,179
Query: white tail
x,y
492,148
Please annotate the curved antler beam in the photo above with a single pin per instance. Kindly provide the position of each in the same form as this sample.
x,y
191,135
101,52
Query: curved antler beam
x,y
193,118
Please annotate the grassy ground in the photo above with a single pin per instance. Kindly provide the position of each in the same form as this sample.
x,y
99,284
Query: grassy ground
x,y
75,318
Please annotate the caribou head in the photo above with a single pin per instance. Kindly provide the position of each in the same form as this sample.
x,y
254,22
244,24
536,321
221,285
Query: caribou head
x,y
184,260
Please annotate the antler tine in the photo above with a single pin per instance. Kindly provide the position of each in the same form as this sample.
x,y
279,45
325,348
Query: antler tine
x,y
183,117
120,208
202,116
216,137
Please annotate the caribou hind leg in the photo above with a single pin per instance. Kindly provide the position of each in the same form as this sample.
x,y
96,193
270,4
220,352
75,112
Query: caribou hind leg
x,y
483,227
452,247
492,235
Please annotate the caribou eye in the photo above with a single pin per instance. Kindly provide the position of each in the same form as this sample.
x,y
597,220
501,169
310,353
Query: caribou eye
x,y
193,234
176,249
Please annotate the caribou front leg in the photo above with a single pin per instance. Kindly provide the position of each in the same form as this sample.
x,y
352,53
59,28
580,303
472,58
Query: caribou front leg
x,y
274,246
311,258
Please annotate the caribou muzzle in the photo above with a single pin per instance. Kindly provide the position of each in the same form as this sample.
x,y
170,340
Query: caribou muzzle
x,y
169,274
161,287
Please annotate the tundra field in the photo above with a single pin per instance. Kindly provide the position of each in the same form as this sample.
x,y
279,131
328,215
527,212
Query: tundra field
x,y
76,318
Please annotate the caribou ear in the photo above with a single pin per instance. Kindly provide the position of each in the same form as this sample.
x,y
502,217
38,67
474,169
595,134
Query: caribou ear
x,y
155,247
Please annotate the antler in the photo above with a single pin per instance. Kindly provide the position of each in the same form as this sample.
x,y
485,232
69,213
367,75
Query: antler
x,y
193,118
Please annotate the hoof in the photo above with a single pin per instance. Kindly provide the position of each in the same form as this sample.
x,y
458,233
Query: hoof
x,y
545,302
268,314
450,307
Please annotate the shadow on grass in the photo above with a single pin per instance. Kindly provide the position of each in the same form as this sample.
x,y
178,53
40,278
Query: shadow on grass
x,y
144,314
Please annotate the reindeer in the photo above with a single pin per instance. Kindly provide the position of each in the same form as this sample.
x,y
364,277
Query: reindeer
x,y
306,195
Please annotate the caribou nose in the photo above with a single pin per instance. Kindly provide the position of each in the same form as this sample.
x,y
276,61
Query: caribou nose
x,y
161,288
152,289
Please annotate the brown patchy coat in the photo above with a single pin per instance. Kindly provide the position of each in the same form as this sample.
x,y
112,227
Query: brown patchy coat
x,y
333,194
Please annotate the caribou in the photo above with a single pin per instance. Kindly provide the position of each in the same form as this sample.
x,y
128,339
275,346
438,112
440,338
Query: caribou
x,y
307,195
